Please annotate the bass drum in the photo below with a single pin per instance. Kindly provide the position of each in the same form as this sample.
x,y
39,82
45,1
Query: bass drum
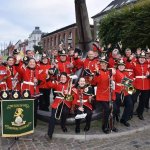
x,y
26,94
4,95
16,94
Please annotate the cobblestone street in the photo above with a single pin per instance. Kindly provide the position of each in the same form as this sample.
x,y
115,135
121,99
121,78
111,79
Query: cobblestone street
x,y
125,139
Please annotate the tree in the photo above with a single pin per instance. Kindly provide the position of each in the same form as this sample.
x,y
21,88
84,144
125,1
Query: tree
x,y
130,24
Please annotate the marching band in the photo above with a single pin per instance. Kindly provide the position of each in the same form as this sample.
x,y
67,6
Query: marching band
x,y
111,81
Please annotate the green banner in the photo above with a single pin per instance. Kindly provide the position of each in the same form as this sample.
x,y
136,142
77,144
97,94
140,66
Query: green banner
x,y
17,117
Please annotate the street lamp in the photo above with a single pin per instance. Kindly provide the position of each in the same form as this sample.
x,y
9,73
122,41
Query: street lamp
x,y
69,43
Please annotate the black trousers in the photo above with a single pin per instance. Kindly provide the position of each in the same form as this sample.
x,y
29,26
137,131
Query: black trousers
x,y
144,94
147,101
88,117
106,113
127,103
44,100
52,121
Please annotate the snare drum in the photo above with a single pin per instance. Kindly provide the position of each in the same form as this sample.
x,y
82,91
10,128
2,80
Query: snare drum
x,y
26,94
4,94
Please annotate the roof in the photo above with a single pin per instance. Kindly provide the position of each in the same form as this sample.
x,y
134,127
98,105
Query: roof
x,y
37,31
61,29
115,4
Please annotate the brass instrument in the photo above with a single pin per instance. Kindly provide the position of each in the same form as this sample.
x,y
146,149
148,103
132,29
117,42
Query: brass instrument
x,y
68,96
60,106
128,85
59,111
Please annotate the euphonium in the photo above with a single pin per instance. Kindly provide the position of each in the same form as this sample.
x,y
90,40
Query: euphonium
x,y
130,89
128,85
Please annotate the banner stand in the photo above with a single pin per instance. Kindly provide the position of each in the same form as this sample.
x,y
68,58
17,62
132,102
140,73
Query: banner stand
x,y
16,139
17,119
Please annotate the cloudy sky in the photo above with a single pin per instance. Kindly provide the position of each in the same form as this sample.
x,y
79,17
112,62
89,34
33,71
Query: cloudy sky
x,y
19,17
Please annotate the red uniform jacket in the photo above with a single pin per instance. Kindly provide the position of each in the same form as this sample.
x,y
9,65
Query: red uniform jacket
x,y
14,79
44,69
77,63
3,74
129,63
64,67
118,81
112,62
90,64
78,94
59,87
28,76
103,86
141,81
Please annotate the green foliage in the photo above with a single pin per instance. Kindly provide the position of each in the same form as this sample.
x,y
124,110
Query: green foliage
x,y
38,48
130,24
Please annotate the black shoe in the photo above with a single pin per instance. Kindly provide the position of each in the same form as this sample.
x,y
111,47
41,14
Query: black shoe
x,y
115,129
135,113
106,131
141,117
117,118
48,137
86,128
64,129
77,130
125,123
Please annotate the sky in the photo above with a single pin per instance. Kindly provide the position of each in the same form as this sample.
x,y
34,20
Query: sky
x,y
18,18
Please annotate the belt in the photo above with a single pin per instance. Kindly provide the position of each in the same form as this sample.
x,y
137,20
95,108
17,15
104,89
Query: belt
x,y
130,70
140,77
59,97
29,83
84,101
2,82
119,84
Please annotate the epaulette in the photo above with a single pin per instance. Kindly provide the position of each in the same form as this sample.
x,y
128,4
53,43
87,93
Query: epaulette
x,y
134,63
74,90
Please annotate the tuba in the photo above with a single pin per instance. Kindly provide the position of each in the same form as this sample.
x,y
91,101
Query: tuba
x,y
128,85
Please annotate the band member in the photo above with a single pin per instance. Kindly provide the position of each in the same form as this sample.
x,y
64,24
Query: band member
x,y
60,106
13,80
44,99
89,65
141,72
63,65
122,96
105,96
129,59
148,61
31,79
74,59
82,104
114,58
29,53
3,75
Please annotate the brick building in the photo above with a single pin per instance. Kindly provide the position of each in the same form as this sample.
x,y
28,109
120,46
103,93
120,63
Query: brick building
x,y
68,35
